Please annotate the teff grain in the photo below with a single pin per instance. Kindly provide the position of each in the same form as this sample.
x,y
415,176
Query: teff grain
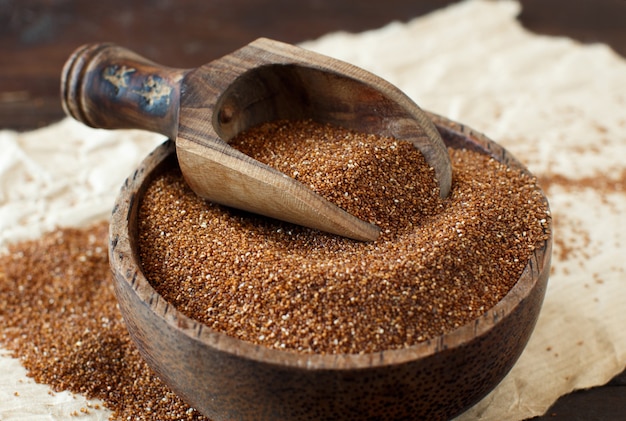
x,y
437,265
59,316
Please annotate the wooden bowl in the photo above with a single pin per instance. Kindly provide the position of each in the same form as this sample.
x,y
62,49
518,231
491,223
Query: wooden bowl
x,y
227,379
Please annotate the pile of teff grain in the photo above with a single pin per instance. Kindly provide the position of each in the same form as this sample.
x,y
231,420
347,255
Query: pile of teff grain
x,y
437,264
59,316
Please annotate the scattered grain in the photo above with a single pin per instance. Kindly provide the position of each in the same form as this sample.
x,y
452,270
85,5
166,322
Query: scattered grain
x,y
60,318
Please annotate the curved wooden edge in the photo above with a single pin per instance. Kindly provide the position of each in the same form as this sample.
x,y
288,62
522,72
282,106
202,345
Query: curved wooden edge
x,y
203,100
430,143
267,81
263,190
123,258
459,135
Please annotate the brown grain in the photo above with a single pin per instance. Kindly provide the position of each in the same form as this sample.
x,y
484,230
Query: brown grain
x,y
437,265
60,318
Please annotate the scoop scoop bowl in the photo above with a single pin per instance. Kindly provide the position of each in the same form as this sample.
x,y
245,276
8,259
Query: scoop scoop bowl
x,y
107,86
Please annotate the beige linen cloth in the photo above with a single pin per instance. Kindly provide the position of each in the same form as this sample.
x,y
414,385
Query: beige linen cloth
x,y
558,106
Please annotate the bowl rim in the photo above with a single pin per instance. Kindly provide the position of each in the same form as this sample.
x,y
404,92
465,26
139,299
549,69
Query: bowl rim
x,y
125,265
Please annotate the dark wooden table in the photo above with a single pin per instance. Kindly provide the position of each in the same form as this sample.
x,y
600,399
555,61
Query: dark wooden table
x,y
37,36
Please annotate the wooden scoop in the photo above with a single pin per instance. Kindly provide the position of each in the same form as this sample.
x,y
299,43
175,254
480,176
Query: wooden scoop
x,y
106,86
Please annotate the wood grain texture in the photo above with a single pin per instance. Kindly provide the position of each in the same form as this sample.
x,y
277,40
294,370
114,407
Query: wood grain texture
x,y
268,81
226,378
106,86
37,36
110,87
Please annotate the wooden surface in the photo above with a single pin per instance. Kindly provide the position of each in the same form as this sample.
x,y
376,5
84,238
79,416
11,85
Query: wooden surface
x,y
36,36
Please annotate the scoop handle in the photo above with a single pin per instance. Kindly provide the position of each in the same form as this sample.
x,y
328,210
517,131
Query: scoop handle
x,y
109,87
